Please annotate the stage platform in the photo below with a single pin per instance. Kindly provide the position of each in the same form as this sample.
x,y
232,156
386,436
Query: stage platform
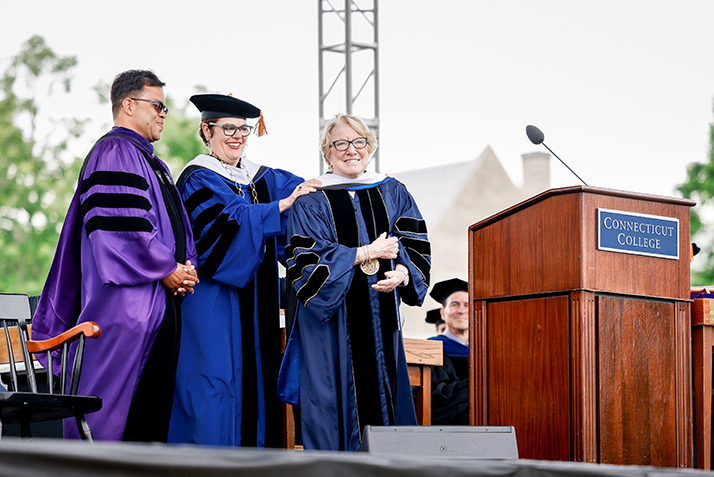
x,y
57,458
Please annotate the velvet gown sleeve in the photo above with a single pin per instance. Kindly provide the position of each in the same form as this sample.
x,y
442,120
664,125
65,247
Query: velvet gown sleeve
x,y
414,247
320,270
229,230
284,183
120,217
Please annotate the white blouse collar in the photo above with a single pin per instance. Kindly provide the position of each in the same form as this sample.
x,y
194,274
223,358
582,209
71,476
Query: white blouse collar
x,y
368,177
242,174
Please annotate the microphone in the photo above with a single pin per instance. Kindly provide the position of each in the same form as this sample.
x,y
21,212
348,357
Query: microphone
x,y
537,137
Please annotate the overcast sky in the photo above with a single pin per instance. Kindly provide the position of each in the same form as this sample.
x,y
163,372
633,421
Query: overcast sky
x,y
622,89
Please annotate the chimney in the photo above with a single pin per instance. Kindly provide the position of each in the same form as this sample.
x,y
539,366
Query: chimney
x,y
536,173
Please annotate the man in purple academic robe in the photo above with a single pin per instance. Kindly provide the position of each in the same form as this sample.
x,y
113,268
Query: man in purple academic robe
x,y
124,261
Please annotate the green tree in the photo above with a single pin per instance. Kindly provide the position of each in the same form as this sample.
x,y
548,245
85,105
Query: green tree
x,y
179,141
37,180
700,188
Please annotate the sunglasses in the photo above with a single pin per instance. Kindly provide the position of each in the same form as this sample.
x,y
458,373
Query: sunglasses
x,y
158,105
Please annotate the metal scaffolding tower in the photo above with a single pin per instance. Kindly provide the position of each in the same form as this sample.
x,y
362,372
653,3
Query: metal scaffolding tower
x,y
349,50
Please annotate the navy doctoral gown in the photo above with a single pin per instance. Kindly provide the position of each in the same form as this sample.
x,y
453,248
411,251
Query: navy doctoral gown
x,y
450,384
344,331
230,348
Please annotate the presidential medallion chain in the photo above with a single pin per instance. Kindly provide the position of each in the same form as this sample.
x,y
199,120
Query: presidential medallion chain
x,y
251,186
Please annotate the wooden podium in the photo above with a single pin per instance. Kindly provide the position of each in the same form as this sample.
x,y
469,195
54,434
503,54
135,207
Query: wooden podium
x,y
585,350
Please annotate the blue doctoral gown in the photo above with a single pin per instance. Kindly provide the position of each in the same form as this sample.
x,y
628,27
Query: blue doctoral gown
x,y
339,317
450,384
230,348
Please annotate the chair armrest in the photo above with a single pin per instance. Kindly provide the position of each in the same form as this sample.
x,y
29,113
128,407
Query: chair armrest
x,y
89,328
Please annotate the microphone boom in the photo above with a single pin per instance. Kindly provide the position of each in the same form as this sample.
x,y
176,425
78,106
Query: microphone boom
x,y
536,136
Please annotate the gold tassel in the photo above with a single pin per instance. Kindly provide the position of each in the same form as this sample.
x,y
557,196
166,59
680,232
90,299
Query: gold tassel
x,y
261,125
693,250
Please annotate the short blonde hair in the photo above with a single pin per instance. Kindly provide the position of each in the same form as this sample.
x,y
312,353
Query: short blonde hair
x,y
355,123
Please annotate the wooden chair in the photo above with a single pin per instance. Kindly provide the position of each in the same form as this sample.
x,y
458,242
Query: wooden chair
x,y
25,407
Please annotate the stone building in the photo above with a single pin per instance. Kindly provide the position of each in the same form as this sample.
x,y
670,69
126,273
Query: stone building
x,y
452,197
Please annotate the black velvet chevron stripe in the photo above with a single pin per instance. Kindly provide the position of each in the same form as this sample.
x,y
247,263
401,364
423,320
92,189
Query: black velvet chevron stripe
x,y
197,198
421,246
303,260
215,231
298,241
222,231
317,279
118,201
114,178
206,217
420,263
219,251
118,224
411,225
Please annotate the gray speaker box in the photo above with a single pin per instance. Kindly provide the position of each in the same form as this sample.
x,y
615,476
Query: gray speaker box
x,y
462,442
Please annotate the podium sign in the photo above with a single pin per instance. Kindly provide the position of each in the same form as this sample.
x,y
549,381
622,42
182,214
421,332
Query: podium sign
x,y
638,234
580,332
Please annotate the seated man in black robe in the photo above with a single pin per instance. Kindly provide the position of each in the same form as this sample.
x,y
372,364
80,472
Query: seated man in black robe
x,y
450,382
434,317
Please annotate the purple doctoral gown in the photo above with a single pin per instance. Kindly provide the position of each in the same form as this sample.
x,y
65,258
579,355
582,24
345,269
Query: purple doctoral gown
x,y
108,269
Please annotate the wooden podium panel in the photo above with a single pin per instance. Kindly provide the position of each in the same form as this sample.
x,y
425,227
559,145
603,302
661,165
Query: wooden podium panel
x,y
528,356
637,392
585,352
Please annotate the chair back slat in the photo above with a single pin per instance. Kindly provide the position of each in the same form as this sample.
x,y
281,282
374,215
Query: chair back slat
x,y
10,358
50,374
63,364
77,366
29,366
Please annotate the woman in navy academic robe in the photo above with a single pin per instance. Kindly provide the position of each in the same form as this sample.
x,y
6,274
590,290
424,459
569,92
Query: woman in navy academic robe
x,y
358,247
231,337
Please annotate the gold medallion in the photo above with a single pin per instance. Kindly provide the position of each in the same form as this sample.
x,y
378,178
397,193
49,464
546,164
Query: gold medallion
x,y
370,267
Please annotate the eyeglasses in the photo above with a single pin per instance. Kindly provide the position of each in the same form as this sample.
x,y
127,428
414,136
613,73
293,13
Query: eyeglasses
x,y
358,143
230,129
158,105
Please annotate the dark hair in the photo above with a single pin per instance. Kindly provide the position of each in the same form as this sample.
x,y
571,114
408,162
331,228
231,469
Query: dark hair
x,y
131,83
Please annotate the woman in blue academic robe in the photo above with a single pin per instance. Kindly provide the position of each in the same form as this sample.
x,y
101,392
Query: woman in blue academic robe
x,y
358,247
231,337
